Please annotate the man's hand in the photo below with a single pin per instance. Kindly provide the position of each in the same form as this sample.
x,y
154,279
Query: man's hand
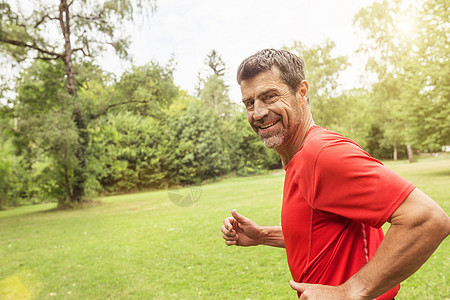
x,y
241,231
318,291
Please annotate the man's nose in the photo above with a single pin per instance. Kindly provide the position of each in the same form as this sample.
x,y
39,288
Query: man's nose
x,y
260,110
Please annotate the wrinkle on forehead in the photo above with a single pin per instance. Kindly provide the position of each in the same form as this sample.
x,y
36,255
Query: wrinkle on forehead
x,y
263,83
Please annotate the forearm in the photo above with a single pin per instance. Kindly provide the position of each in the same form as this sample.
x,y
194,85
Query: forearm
x,y
407,245
394,261
272,236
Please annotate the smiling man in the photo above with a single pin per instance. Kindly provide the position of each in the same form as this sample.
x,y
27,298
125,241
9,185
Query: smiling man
x,y
335,199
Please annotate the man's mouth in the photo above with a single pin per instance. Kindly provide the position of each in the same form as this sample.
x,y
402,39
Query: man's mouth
x,y
265,126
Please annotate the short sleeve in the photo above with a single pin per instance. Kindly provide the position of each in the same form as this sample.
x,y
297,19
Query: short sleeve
x,y
349,183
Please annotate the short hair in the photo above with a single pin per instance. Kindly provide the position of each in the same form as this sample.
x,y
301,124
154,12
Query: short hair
x,y
290,65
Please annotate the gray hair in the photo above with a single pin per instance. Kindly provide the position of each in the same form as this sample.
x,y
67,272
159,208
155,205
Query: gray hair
x,y
290,65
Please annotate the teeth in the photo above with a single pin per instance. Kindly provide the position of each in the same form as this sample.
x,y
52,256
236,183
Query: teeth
x,y
268,125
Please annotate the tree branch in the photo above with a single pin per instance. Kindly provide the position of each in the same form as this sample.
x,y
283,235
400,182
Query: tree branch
x,y
47,58
98,19
126,102
105,111
82,50
43,19
32,46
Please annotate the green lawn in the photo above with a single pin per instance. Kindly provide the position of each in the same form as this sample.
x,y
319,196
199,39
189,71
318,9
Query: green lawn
x,y
142,246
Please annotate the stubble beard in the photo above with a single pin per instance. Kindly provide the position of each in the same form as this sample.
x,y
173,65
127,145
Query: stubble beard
x,y
279,137
273,140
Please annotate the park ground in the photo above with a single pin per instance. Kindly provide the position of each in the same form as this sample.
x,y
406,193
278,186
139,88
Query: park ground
x,y
143,246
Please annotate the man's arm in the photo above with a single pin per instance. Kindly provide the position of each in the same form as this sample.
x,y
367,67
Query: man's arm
x,y
241,231
417,228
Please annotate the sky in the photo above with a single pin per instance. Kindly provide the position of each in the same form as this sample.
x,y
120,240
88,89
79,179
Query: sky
x,y
236,29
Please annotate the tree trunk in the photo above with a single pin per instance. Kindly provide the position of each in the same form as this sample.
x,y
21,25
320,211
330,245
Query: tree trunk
x,y
410,153
395,151
79,176
66,181
64,21
79,180
408,145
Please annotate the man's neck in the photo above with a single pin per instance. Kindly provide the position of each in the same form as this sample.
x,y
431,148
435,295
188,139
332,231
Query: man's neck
x,y
288,150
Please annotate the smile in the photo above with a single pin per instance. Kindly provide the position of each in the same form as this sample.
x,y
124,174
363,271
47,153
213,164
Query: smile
x,y
268,125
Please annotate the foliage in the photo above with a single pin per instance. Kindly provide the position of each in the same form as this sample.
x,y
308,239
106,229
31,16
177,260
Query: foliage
x,y
430,106
149,89
45,132
127,151
197,145
85,28
347,112
377,145
74,130
93,26
215,96
216,66
6,170
322,71
407,50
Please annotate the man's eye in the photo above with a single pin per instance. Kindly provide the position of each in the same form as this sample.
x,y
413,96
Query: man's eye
x,y
270,96
249,104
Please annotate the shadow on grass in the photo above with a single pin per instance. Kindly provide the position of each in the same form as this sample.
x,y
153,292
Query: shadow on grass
x,y
44,209
437,173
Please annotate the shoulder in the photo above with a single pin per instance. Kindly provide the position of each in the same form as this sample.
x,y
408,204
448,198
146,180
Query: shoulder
x,y
327,144
327,151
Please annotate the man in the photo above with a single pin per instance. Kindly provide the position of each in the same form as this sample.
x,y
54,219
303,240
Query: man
x,y
335,199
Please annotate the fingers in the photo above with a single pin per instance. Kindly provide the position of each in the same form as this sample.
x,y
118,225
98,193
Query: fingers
x,y
240,218
228,233
230,225
297,286
231,243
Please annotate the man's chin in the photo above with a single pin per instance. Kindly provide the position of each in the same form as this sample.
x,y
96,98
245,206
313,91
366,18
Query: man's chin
x,y
272,141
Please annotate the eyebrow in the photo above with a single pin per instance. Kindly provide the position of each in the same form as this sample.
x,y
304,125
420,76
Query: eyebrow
x,y
260,95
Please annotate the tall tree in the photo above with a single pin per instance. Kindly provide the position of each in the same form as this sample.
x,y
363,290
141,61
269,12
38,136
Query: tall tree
x,y
68,31
215,62
212,89
390,44
430,108
215,96
322,73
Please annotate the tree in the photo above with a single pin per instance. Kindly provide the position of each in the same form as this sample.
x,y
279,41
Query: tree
x,y
130,143
198,149
428,70
322,69
215,62
407,50
150,88
214,95
322,73
85,28
6,156
349,114
212,89
128,152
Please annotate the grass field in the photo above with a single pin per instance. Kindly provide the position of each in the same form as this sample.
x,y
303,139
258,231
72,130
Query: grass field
x,y
142,246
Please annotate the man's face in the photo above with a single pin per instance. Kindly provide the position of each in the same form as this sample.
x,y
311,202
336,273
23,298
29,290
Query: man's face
x,y
273,110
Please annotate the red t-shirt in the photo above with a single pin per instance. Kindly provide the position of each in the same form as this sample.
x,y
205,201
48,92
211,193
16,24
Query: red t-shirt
x,y
335,199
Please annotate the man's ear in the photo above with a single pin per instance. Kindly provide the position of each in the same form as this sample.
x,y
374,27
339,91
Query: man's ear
x,y
303,91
